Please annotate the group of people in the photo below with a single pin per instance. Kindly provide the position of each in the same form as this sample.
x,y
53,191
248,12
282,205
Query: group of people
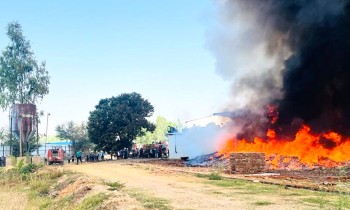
x,y
157,150
91,157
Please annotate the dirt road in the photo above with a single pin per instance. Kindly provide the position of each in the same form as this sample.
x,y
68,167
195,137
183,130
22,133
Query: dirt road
x,y
186,191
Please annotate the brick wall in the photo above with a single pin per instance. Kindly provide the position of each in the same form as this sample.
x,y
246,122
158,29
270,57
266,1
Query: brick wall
x,y
247,162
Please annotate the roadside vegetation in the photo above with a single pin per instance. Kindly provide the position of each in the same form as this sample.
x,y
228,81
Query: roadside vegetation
x,y
148,201
44,188
316,199
31,186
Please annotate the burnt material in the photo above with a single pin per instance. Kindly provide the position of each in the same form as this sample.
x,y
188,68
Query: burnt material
x,y
247,163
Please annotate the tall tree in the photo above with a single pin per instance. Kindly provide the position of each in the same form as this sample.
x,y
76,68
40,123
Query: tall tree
x,y
117,121
22,79
74,132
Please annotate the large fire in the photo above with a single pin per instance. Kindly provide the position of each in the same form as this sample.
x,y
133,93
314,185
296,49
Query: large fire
x,y
306,150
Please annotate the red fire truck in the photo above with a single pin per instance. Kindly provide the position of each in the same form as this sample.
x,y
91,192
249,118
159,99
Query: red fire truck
x,y
55,155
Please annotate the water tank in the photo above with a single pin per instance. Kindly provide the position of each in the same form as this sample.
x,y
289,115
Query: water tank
x,y
24,120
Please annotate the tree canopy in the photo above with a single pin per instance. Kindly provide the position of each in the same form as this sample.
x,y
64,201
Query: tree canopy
x,y
117,121
22,79
76,133
159,134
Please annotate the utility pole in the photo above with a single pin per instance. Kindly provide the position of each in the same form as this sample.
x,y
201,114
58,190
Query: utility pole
x,y
47,125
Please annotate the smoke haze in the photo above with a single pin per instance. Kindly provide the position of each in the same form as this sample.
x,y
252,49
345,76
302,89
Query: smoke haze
x,y
294,54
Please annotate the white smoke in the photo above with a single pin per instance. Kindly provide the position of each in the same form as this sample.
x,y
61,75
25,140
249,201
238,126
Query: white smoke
x,y
196,141
246,56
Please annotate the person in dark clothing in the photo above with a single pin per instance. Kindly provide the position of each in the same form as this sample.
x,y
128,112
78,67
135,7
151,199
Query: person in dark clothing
x,y
141,153
160,151
126,151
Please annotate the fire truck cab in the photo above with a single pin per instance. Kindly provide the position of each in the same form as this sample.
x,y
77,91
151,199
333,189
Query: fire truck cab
x,y
55,155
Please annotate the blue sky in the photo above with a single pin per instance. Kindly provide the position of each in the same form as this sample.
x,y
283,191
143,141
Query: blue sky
x,y
99,49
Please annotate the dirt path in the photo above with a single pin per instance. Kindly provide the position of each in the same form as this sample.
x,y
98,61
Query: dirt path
x,y
9,200
182,191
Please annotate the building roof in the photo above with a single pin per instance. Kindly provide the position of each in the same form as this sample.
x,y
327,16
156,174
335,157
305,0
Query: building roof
x,y
60,143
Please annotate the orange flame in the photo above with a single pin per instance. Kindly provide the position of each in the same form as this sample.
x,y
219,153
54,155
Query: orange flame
x,y
307,149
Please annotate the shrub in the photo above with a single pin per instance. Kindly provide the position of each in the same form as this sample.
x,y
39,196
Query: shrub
x,y
214,176
30,168
42,187
20,165
115,185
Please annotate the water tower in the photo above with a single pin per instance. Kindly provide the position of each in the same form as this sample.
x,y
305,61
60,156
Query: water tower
x,y
23,123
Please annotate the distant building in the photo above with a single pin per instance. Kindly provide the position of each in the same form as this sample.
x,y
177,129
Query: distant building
x,y
4,151
218,120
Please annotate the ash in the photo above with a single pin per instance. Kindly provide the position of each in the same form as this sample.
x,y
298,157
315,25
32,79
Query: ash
x,y
208,160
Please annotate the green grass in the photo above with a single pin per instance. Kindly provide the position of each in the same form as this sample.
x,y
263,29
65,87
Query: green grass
x,y
42,187
262,203
211,176
115,185
36,201
218,193
148,201
92,202
229,183
320,201
214,176
202,175
63,203
343,202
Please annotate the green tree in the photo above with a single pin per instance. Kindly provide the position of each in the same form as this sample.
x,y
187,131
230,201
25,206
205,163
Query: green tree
x,y
76,133
117,121
159,134
32,144
22,79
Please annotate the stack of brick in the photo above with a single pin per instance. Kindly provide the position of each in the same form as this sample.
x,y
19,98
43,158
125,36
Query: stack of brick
x,y
247,162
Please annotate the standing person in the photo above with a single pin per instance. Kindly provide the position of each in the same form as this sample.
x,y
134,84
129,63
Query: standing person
x,y
102,155
160,151
78,155
141,152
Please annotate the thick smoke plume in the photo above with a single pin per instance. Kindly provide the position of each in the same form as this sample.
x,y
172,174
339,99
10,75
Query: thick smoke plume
x,y
294,54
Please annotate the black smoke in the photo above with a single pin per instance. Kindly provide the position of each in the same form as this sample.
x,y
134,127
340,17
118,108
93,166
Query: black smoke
x,y
316,79
316,73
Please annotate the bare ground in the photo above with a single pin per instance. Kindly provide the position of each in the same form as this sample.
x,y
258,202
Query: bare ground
x,y
184,190
8,202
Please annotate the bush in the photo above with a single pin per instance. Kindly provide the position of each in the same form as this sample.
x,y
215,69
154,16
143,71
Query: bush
x,y
30,168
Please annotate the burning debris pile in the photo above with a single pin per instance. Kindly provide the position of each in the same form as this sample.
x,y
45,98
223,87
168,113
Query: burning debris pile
x,y
298,105
212,160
